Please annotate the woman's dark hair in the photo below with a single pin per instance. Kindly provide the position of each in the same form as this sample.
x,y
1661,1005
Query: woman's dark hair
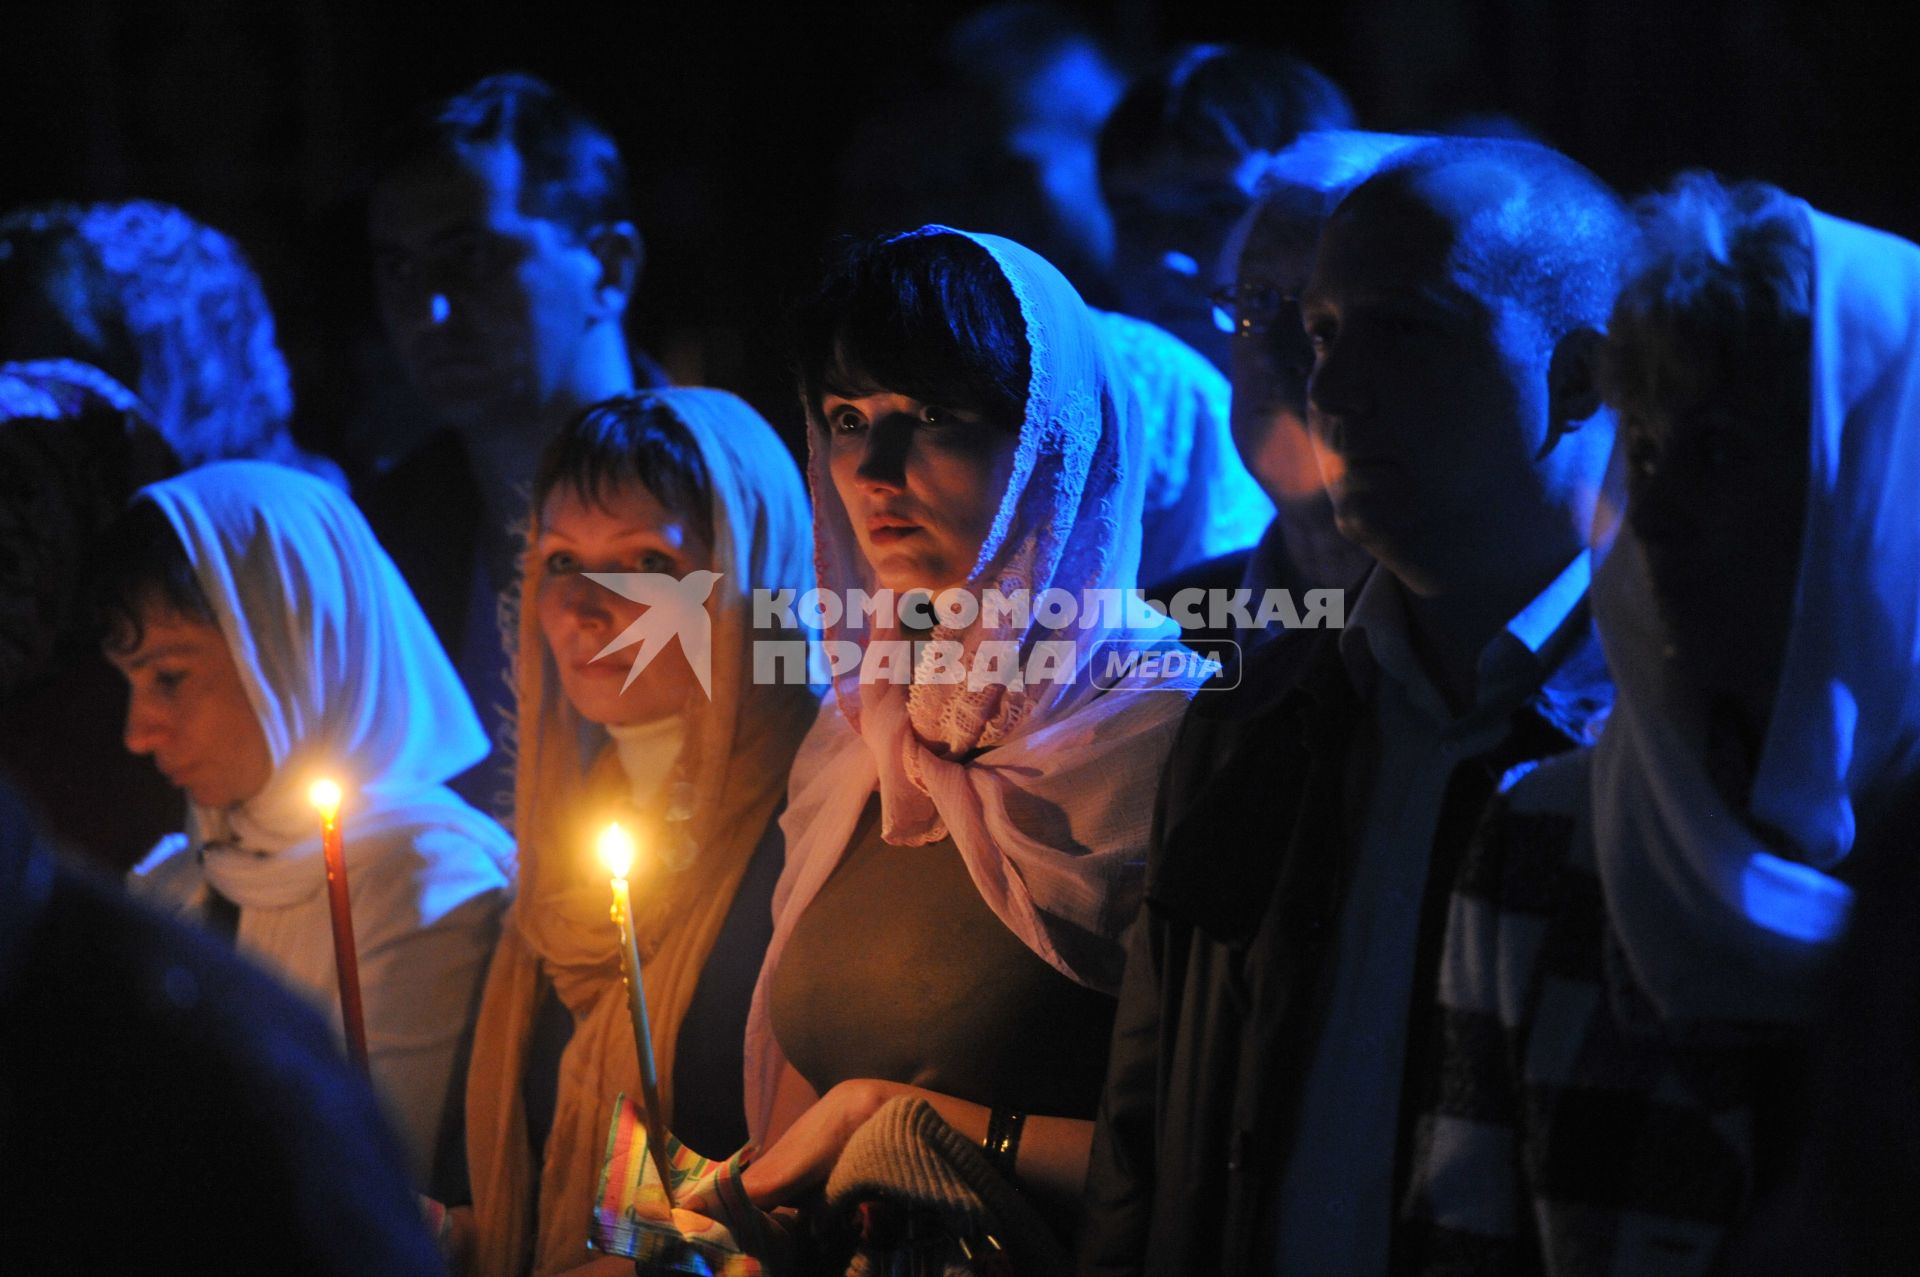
x,y
140,567
1719,300
571,170
929,316
1221,100
629,439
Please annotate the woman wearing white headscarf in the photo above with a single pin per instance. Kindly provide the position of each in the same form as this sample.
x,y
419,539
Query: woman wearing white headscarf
x,y
1643,928
962,855
691,484
269,641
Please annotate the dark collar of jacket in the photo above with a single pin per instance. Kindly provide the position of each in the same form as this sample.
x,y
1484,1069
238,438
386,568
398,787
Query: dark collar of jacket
x,y
1253,756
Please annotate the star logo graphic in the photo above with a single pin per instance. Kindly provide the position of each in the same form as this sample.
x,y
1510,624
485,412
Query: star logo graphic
x,y
675,607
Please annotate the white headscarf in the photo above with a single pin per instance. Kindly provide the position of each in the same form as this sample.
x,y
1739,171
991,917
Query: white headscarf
x,y
343,672
1052,820
1714,925
1200,500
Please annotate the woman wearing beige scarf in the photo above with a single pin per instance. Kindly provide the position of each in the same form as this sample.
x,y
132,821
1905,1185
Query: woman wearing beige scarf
x,y
673,482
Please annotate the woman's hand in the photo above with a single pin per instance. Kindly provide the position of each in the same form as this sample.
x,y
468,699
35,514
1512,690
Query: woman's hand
x,y
804,1156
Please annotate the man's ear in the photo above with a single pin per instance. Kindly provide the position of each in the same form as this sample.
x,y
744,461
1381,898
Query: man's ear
x,y
617,248
1573,385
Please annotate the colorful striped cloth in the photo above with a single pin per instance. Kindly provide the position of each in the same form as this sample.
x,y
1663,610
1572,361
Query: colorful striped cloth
x,y
632,1217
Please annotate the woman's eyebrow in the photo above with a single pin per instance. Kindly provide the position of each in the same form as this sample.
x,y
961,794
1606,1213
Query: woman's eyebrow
x,y
650,537
146,657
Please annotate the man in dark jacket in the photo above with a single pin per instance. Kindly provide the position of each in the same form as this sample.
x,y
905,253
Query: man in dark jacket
x,y
505,257
1313,816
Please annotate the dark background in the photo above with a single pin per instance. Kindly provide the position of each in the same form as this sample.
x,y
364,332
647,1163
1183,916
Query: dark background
x,y
253,115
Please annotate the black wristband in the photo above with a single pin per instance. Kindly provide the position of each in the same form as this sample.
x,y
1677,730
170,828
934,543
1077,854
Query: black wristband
x,y
1002,1145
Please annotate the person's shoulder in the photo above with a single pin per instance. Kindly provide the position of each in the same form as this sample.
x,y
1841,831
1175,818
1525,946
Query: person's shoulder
x,y
1292,667
434,874
178,990
475,845
189,1069
1245,720
1236,723
1150,349
1222,572
458,863
180,976
1529,834
169,875
1556,784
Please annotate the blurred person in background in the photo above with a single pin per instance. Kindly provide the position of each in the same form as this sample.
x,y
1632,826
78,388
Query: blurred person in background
x,y
1016,95
1263,269
500,222
75,445
165,305
1180,156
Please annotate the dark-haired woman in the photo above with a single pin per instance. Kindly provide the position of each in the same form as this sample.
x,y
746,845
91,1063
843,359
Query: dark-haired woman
x,y
675,483
962,855
268,640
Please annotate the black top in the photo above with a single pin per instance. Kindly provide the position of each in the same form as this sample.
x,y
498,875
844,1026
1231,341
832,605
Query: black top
x,y
898,970
709,1108
429,517
709,1111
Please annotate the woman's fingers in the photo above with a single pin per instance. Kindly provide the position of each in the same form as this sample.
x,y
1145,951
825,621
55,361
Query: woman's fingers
x,y
692,1219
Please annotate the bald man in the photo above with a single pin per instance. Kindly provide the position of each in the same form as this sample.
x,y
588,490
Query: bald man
x,y
1312,817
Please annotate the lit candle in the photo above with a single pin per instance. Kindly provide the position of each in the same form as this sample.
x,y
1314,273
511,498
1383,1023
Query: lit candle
x,y
325,796
616,853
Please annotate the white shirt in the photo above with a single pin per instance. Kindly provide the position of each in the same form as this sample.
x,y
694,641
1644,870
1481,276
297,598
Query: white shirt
x,y
647,754
1336,1209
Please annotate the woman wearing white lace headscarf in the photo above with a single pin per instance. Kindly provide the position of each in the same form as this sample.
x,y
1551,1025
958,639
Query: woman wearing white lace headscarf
x,y
1644,928
269,641
962,855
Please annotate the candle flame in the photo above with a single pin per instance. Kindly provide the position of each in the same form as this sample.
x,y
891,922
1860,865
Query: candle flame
x,y
616,851
325,796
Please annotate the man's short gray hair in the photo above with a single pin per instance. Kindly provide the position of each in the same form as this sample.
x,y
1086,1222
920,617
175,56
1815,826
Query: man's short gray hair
x,y
1719,295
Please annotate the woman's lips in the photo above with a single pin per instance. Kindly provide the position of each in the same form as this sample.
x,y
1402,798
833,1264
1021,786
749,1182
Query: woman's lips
x,y
886,531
